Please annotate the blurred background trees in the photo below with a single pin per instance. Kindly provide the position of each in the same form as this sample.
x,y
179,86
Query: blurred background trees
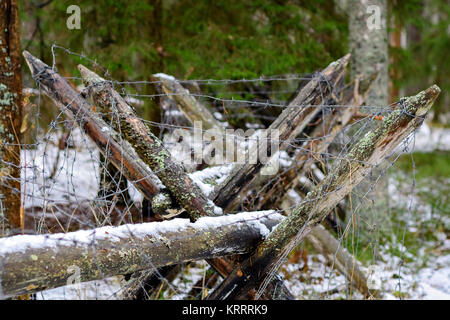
x,y
234,39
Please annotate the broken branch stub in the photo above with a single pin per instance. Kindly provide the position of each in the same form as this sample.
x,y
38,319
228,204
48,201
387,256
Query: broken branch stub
x,y
349,172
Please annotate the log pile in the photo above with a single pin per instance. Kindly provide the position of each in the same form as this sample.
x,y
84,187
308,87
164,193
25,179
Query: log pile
x,y
246,249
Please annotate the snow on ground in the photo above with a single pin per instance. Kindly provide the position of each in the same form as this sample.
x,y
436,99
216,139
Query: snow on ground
x,y
430,139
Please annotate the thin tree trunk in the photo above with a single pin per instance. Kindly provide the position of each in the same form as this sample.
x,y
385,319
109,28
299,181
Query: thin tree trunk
x,y
11,215
380,142
38,262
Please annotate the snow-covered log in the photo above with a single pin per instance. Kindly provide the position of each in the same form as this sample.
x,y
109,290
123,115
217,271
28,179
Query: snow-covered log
x,y
408,115
30,263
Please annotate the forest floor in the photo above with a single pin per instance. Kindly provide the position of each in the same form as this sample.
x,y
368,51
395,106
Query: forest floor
x,y
404,244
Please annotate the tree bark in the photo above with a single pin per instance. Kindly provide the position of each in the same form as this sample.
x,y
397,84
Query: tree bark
x,y
31,263
11,215
148,146
109,142
380,142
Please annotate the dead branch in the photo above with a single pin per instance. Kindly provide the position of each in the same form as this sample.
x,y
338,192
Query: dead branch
x,y
193,109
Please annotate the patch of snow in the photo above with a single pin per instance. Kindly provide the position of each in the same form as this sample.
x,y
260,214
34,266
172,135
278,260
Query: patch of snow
x,y
164,76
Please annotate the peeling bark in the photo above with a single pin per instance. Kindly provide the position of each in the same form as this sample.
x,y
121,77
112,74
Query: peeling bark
x,y
349,172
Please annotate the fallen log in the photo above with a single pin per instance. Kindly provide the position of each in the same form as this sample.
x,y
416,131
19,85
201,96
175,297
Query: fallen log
x,y
31,263
378,143
149,148
109,142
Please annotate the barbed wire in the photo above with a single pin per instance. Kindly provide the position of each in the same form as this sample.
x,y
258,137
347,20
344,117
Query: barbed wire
x,y
66,180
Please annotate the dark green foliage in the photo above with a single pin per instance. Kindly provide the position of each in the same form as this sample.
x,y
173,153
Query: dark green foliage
x,y
232,39
200,39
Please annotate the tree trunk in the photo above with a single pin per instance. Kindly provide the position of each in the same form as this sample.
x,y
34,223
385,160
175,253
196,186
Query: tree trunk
x,y
371,150
11,215
38,262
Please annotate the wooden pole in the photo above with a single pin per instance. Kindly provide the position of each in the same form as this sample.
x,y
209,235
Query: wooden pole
x,y
149,148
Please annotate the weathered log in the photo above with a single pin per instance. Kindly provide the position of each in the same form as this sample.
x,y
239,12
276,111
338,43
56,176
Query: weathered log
x,y
148,146
193,109
31,263
289,124
378,143
109,142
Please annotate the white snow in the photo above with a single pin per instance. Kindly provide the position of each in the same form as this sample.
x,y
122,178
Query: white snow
x,y
164,76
